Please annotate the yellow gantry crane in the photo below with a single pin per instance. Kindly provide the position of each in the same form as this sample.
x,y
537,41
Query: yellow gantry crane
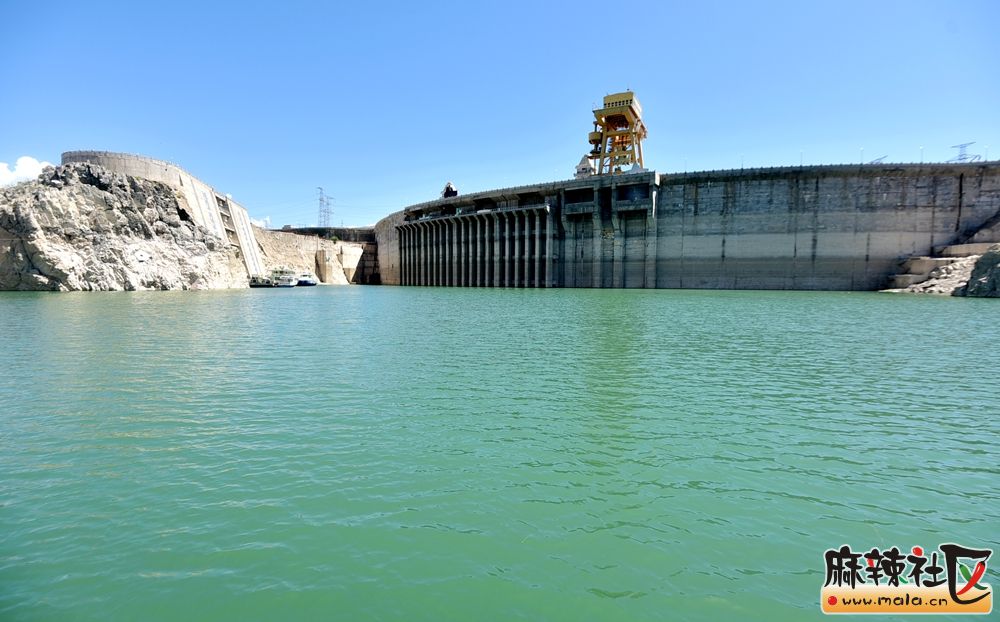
x,y
618,134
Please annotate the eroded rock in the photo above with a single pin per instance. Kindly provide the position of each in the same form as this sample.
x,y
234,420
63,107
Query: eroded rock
x,y
985,279
82,227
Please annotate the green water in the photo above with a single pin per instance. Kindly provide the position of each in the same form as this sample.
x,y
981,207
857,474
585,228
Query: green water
x,y
366,453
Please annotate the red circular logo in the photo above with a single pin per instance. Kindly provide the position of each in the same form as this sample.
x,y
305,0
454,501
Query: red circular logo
x,y
832,600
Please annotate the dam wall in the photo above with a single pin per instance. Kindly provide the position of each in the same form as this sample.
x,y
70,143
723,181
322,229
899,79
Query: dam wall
x,y
841,227
217,212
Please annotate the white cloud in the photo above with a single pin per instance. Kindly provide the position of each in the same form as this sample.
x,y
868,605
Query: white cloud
x,y
25,168
263,223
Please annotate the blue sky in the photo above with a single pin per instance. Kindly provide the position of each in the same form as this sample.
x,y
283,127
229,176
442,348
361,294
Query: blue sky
x,y
382,103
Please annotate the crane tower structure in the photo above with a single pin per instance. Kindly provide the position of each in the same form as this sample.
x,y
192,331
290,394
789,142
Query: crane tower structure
x,y
617,136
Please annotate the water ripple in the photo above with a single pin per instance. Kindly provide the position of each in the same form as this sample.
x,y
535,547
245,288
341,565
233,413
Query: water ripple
x,y
383,453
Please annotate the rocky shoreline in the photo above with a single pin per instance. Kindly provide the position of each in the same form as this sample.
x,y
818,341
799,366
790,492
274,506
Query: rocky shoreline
x,y
82,227
977,276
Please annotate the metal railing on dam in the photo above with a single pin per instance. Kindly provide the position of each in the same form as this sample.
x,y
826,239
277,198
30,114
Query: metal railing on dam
x,y
829,227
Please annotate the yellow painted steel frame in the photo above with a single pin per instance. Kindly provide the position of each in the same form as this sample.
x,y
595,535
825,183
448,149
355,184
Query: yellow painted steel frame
x,y
618,134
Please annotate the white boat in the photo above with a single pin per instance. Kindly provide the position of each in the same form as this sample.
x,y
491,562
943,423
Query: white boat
x,y
284,277
307,279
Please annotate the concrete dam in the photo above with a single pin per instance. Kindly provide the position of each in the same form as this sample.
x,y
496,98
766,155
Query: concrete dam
x,y
840,227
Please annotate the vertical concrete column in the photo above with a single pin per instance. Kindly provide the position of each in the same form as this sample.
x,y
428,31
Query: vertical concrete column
x,y
596,268
453,226
428,256
452,255
429,247
506,242
440,253
426,248
440,250
468,224
484,258
407,271
529,245
517,249
650,242
414,268
505,253
485,242
467,253
527,266
570,248
515,252
492,247
618,251
404,259
476,231
418,251
549,224
459,257
409,255
437,253
495,249
445,252
485,251
431,251
485,245
422,254
401,236
494,265
538,248
533,242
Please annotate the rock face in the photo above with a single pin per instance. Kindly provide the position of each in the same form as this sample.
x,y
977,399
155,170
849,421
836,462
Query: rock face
x,y
985,279
81,227
947,280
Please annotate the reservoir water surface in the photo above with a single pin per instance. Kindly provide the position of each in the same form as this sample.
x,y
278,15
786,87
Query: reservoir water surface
x,y
381,453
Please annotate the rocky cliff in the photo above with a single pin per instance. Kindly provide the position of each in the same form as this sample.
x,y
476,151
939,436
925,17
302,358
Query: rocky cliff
x,y
985,278
976,276
81,227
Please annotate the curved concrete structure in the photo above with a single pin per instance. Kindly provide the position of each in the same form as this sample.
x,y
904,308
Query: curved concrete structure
x,y
840,227
206,207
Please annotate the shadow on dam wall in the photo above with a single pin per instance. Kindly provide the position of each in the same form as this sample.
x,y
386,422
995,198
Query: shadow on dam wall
x,y
821,228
